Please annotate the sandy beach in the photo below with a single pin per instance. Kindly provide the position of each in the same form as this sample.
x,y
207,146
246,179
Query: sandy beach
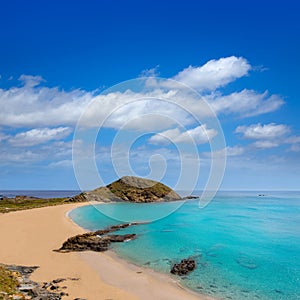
x,y
29,238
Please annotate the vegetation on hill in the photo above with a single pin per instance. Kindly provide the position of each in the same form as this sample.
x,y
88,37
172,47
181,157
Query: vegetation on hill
x,y
8,283
134,189
25,202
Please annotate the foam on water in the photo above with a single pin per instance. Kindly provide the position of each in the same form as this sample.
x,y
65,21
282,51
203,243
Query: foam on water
x,y
246,247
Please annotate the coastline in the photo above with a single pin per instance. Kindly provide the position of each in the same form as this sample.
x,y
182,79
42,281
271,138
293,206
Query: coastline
x,y
144,283
29,238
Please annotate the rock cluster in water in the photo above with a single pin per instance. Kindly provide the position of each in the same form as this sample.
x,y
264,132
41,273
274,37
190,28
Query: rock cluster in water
x,y
97,240
184,267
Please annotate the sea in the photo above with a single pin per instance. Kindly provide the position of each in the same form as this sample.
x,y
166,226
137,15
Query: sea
x,y
246,244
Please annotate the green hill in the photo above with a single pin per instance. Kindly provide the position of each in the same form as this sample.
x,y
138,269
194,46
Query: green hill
x,y
133,189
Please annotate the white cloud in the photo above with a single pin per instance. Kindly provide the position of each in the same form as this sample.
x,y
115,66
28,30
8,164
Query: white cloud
x,y
269,135
19,157
3,136
153,72
34,106
55,151
246,103
295,148
234,151
293,139
227,151
38,136
66,163
165,137
266,144
31,81
267,131
215,73
198,135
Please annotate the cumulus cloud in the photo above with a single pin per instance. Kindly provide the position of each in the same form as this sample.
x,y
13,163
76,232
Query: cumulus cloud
x,y
198,135
293,139
42,106
19,157
66,163
31,81
38,136
227,151
265,144
267,131
269,135
55,150
246,103
35,106
234,151
153,72
42,116
215,73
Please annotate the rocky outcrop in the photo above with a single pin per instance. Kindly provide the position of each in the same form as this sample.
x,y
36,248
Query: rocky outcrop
x,y
184,267
98,241
133,189
190,197
29,289
78,198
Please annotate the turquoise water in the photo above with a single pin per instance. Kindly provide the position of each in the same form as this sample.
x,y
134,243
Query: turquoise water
x,y
246,247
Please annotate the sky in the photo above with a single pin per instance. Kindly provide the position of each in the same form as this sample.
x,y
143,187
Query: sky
x,y
169,90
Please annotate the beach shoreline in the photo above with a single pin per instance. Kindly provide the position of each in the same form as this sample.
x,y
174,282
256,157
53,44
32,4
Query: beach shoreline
x,y
29,238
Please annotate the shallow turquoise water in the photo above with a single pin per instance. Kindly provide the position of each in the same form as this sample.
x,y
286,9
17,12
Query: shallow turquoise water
x,y
246,247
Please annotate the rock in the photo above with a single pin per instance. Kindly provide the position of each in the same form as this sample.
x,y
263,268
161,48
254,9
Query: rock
x,y
53,287
93,242
184,267
26,287
78,198
98,241
18,297
46,285
58,280
74,278
29,289
190,197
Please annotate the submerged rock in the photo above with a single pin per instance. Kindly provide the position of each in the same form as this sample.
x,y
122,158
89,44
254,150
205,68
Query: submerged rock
x,y
246,262
184,267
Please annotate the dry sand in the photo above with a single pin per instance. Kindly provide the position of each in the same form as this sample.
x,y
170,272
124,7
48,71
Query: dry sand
x,y
28,238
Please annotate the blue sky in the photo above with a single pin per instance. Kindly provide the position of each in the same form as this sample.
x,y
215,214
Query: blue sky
x,y
58,57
